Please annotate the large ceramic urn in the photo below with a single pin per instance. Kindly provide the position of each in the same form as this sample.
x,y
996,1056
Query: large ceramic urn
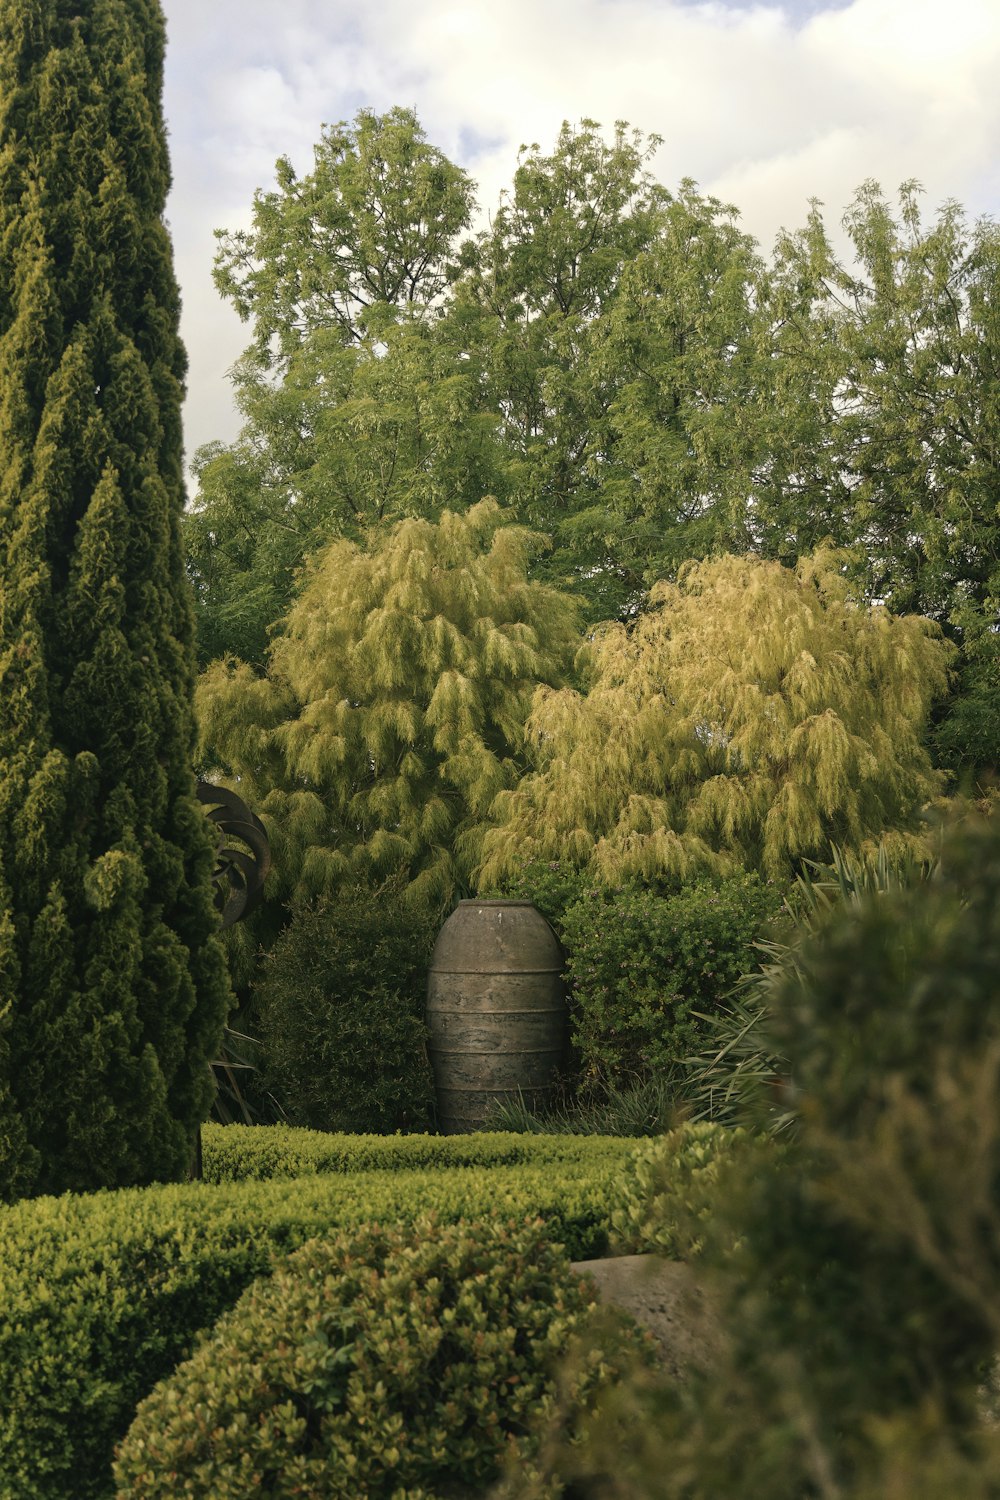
x,y
496,1011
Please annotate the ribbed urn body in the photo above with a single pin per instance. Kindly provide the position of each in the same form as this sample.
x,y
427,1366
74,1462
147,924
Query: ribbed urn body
x,y
496,1011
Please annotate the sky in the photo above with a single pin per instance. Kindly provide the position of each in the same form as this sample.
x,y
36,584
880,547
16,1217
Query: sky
x,y
765,105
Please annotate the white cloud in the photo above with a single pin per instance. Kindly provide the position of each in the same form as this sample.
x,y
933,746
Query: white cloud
x,y
766,105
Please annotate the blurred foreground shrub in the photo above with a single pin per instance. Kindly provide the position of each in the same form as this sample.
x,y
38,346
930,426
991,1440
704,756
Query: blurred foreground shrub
x,y
856,1262
668,1190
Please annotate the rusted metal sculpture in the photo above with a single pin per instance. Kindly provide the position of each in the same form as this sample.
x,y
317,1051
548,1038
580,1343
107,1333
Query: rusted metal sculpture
x,y
238,882
243,854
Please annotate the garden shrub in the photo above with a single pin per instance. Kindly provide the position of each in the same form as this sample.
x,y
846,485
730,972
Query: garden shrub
x,y
668,1189
101,1295
857,1259
238,1153
641,967
740,1075
552,885
340,1009
380,1363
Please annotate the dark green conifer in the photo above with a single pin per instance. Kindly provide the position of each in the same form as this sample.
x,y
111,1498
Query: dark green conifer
x,y
113,990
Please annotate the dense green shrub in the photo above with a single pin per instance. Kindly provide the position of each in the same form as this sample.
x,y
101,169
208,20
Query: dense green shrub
x,y
668,1187
102,1295
239,1153
740,1075
379,1363
641,968
340,1004
553,885
858,1259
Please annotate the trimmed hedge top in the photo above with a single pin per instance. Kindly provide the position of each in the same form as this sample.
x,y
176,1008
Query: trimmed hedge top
x,y
377,1363
239,1153
102,1295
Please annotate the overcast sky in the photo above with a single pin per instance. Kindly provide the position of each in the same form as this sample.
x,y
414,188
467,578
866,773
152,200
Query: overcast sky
x,y
765,105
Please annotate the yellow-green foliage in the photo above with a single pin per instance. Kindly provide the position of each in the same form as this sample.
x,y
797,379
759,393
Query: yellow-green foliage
x,y
667,1190
393,710
379,1363
102,1295
751,718
240,1153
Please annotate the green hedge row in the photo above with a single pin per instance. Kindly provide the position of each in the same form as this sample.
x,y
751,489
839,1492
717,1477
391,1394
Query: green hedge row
x,y
240,1153
102,1295
377,1363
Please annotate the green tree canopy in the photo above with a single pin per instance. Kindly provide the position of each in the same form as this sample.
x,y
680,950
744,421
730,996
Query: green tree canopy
x,y
393,709
621,365
371,229
531,307
359,407
681,359
903,347
113,991
582,367
751,718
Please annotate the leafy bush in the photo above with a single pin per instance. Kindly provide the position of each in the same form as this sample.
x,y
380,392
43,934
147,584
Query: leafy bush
x,y
859,1258
643,968
380,1363
667,1193
102,1295
340,1003
240,1153
740,1073
553,885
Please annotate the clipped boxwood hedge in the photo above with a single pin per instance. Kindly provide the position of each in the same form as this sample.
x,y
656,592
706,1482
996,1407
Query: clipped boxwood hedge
x,y
238,1153
379,1363
667,1188
102,1295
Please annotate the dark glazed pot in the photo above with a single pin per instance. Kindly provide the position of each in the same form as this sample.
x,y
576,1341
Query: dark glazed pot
x,y
496,1011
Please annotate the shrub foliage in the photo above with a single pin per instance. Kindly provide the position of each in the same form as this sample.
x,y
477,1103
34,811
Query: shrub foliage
x,y
857,1260
340,1006
643,968
380,1363
241,1153
102,1295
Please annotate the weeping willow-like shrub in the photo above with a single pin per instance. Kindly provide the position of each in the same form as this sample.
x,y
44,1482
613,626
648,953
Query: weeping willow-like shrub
x,y
393,708
752,718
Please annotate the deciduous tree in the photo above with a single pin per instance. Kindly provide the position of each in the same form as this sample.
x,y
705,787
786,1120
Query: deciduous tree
x,y
369,230
536,291
905,344
359,408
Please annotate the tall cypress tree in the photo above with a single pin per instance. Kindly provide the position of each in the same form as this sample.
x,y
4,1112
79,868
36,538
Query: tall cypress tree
x,y
113,988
